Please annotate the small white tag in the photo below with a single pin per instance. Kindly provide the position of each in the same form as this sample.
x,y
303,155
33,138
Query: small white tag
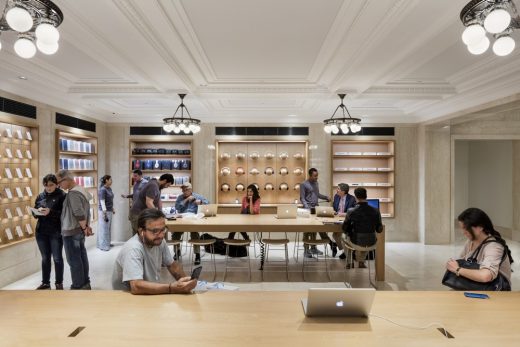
x,y
8,213
28,228
28,153
29,191
19,172
19,192
8,192
19,134
28,135
19,211
8,172
9,132
19,154
28,172
19,231
9,234
8,152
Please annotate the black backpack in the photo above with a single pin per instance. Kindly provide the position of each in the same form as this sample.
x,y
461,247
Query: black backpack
x,y
220,248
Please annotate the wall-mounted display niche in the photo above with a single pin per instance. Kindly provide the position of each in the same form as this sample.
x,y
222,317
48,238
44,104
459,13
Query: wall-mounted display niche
x,y
155,158
18,182
368,164
276,167
78,154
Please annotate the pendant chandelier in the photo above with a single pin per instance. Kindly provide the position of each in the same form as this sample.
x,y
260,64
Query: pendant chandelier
x,y
35,22
345,124
499,18
181,123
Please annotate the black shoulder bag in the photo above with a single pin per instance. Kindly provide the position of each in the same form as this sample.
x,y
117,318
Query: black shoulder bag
x,y
500,283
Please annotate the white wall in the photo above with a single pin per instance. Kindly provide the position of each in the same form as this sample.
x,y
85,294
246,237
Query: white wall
x,y
490,180
461,184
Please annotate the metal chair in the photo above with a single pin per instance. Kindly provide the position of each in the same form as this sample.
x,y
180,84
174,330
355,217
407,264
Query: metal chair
x,y
234,242
177,244
350,248
276,242
311,243
202,243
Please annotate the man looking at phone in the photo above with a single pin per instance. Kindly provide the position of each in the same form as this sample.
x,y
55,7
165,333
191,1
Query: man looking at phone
x,y
138,265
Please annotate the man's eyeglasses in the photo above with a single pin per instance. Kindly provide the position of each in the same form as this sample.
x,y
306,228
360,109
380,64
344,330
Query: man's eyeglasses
x,y
158,230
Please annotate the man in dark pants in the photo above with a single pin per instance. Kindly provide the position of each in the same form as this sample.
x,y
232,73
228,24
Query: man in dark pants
x,y
139,183
309,195
343,201
361,225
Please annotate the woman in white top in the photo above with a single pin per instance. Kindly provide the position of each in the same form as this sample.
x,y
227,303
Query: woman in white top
x,y
494,257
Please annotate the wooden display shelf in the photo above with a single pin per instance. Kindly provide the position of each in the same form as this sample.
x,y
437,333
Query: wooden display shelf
x,y
17,242
166,171
185,156
363,156
77,153
363,171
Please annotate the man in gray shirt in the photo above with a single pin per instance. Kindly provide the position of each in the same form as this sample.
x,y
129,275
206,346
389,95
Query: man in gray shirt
x,y
139,182
149,197
309,195
138,265
75,217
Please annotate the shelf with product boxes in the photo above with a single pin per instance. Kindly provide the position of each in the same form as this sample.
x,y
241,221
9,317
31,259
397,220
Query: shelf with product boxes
x,y
155,157
18,182
277,168
369,164
77,153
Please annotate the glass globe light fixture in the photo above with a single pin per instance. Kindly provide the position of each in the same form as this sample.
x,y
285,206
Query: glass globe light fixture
x,y
497,21
345,123
25,47
504,46
19,19
180,122
473,34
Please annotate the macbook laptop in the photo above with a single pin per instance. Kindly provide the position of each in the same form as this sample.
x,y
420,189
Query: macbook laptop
x,y
346,302
209,210
286,211
324,211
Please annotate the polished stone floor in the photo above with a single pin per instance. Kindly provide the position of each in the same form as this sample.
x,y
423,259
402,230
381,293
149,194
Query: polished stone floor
x,y
409,266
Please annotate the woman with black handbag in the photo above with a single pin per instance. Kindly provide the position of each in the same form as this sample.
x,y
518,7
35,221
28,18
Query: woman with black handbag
x,y
485,262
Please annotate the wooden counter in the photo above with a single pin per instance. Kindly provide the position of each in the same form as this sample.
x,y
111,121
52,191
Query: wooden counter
x,y
112,318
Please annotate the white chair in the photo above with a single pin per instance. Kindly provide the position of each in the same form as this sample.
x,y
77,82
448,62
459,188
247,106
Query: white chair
x,y
350,248
268,242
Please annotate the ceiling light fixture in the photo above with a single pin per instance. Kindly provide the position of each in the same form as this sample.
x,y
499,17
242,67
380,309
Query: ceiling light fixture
x,y
497,17
35,22
181,123
345,124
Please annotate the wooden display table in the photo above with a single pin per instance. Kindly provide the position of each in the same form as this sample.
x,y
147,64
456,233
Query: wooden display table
x,y
264,223
113,318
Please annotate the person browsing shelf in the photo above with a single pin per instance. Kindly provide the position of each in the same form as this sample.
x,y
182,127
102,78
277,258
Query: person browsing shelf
x,y
341,203
250,205
149,197
138,266
49,204
188,202
106,211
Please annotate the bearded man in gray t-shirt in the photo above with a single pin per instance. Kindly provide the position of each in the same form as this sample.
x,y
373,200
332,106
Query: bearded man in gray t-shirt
x,y
138,265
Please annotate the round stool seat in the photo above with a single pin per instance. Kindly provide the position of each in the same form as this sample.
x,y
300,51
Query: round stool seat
x,y
202,242
174,242
275,241
232,242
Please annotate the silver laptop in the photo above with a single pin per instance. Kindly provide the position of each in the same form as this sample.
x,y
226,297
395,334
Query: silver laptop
x,y
209,210
347,302
286,211
324,211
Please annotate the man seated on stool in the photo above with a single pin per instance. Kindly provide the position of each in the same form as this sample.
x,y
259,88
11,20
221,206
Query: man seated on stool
x,y
189,201
360,226
342,202
138,265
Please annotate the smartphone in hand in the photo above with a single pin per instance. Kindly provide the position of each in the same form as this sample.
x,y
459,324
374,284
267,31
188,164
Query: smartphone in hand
x,y
195,274
476,295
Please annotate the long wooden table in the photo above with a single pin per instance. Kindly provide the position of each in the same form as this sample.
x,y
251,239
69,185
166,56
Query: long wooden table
x,y
264,223
112,318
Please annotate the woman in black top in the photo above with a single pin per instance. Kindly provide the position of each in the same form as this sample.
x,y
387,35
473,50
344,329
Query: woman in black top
x,y
49,204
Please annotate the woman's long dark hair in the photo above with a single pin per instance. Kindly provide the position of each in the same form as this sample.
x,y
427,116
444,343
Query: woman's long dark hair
x,y
475,217
256,195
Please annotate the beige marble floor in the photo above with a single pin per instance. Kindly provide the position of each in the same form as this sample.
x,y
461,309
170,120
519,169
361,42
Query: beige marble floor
x,y
409,266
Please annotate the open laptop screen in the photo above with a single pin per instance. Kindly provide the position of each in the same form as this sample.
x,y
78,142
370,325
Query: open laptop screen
x,y
374,203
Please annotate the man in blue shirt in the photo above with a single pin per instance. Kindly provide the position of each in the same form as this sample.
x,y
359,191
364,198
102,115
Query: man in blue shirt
x,y
309,195
188,202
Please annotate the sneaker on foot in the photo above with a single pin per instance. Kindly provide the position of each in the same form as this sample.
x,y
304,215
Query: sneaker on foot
x,y
316,251
43,286
362,265
86,286
334,248
349,266
307,254
342,256
59,286
197,259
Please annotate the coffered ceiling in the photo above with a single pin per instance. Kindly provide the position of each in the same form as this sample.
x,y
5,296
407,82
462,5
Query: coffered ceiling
x,y
259,61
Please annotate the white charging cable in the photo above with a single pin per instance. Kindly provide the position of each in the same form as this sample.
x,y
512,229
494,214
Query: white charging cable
x,y
437,324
